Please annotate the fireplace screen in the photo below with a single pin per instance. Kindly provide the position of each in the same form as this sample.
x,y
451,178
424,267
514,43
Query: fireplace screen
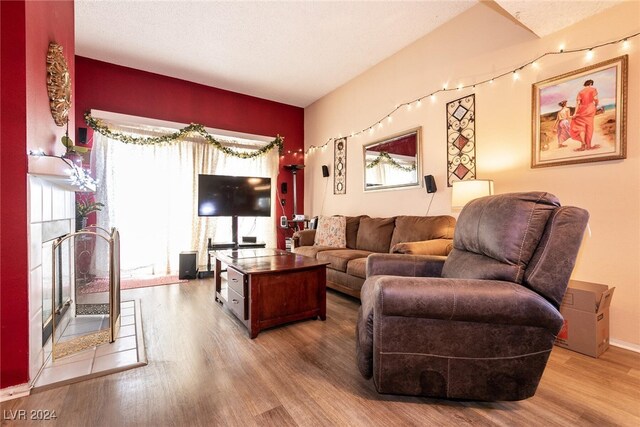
x,y
55,299
95,274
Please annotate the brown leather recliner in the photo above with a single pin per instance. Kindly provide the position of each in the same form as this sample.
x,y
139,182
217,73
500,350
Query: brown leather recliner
x,y
482,323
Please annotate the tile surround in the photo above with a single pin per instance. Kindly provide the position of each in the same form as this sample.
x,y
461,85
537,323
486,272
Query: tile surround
x,y
46,203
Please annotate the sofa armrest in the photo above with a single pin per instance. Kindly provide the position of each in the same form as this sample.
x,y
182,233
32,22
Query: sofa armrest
x,y
424,247
464,300
405,265
303,238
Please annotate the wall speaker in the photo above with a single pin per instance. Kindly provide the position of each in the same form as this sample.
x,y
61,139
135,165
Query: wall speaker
x,y
325,171
430,183
283,188
188,265
82,135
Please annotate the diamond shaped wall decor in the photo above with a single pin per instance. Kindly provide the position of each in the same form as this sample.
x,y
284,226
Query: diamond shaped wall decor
x,y
461,139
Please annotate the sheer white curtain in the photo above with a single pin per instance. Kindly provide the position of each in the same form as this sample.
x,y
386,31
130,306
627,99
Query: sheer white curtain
x,y
150,195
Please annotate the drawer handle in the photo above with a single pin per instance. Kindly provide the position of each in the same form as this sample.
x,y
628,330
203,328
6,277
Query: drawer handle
x,y
235,301
234,280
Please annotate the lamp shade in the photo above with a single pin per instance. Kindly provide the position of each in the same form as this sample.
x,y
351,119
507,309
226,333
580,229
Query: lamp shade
x,y
465,191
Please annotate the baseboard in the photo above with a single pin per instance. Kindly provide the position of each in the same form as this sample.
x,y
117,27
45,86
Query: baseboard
x,y
625,345
15,392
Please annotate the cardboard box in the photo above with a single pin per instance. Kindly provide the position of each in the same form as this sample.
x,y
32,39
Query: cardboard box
x,y
585,308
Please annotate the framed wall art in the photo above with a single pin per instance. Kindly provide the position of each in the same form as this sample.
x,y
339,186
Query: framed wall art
x,y
340,166
461,139
580,117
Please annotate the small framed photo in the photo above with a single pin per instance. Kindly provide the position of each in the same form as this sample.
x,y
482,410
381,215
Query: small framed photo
x,y
581,117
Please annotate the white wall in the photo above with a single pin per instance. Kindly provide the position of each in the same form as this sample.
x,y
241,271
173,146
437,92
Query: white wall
x,y
479,44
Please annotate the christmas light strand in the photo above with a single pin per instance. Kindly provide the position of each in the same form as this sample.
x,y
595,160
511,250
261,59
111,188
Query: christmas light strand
x,y
513,72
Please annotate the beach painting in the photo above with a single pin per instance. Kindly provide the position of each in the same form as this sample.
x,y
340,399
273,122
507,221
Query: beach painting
x,y
580,116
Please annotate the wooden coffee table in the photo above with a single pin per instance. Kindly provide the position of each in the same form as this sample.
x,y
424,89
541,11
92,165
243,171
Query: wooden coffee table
x,y
270,287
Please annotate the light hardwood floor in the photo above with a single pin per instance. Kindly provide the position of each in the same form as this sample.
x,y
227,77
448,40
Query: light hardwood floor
x,y
204,370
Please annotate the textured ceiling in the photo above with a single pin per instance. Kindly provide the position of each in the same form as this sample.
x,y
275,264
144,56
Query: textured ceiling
x,y
293,52
546,17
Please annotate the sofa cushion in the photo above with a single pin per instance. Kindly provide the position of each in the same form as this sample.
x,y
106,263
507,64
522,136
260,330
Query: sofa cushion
x,y
331,232
311,251
338,258
425,247
357,267
353,223
374,234
418,228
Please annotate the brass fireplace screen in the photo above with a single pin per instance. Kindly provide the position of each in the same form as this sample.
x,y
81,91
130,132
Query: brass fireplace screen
x,y
96,270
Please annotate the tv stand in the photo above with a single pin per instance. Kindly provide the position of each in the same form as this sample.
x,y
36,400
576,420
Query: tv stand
x,y
216,246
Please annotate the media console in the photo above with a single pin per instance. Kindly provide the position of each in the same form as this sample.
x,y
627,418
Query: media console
x,y
215,246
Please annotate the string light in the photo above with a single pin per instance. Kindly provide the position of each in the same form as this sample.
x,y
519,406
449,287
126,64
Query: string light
x,y
514,72
79,177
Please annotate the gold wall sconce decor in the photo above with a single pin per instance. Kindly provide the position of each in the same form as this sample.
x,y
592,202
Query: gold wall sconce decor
x,y
58,84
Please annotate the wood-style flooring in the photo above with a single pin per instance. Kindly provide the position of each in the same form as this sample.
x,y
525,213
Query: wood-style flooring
x,y
204,370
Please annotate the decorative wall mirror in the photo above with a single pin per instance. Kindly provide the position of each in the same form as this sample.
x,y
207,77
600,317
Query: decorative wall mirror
x,y
393,162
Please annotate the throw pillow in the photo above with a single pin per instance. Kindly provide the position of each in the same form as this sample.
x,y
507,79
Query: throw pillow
x,y
331,232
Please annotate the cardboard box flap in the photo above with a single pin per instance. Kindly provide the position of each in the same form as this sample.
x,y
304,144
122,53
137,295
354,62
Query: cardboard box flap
x,y
585,296
605,300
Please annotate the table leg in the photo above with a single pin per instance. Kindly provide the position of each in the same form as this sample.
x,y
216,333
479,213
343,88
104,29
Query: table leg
x,y
216,275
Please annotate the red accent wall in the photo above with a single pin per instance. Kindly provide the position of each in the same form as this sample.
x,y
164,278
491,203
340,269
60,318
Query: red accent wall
x,y
109,87
26,30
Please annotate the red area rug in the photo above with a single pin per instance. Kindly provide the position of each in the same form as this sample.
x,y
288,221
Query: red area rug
x,y
102,285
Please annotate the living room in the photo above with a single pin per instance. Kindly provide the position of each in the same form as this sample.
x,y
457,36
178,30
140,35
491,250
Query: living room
x,y
478,45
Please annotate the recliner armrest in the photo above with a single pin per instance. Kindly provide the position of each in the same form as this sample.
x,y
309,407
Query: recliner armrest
x,y
405,265
465,300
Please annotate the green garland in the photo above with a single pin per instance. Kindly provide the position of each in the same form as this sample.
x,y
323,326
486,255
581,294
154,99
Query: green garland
x,y
193,128
384,156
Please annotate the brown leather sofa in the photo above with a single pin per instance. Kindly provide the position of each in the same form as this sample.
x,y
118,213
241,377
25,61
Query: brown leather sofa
x,y
481,324
365,236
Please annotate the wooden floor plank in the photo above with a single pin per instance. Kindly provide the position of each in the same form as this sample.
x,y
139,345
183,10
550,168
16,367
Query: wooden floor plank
x,y
204,370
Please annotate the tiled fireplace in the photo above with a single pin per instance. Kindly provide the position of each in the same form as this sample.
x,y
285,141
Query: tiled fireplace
x,y
51,214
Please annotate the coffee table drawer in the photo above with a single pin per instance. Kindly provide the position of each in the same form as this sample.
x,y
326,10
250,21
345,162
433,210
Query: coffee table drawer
x,y
236,303
235,280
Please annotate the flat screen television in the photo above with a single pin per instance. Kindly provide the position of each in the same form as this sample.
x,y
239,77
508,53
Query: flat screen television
x,y
222,195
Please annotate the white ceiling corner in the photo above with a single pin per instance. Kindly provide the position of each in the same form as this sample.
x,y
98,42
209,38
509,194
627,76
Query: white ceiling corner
x,y
544,17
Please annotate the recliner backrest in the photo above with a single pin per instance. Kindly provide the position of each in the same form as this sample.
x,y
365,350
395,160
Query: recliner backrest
x,y
496,236
550,267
